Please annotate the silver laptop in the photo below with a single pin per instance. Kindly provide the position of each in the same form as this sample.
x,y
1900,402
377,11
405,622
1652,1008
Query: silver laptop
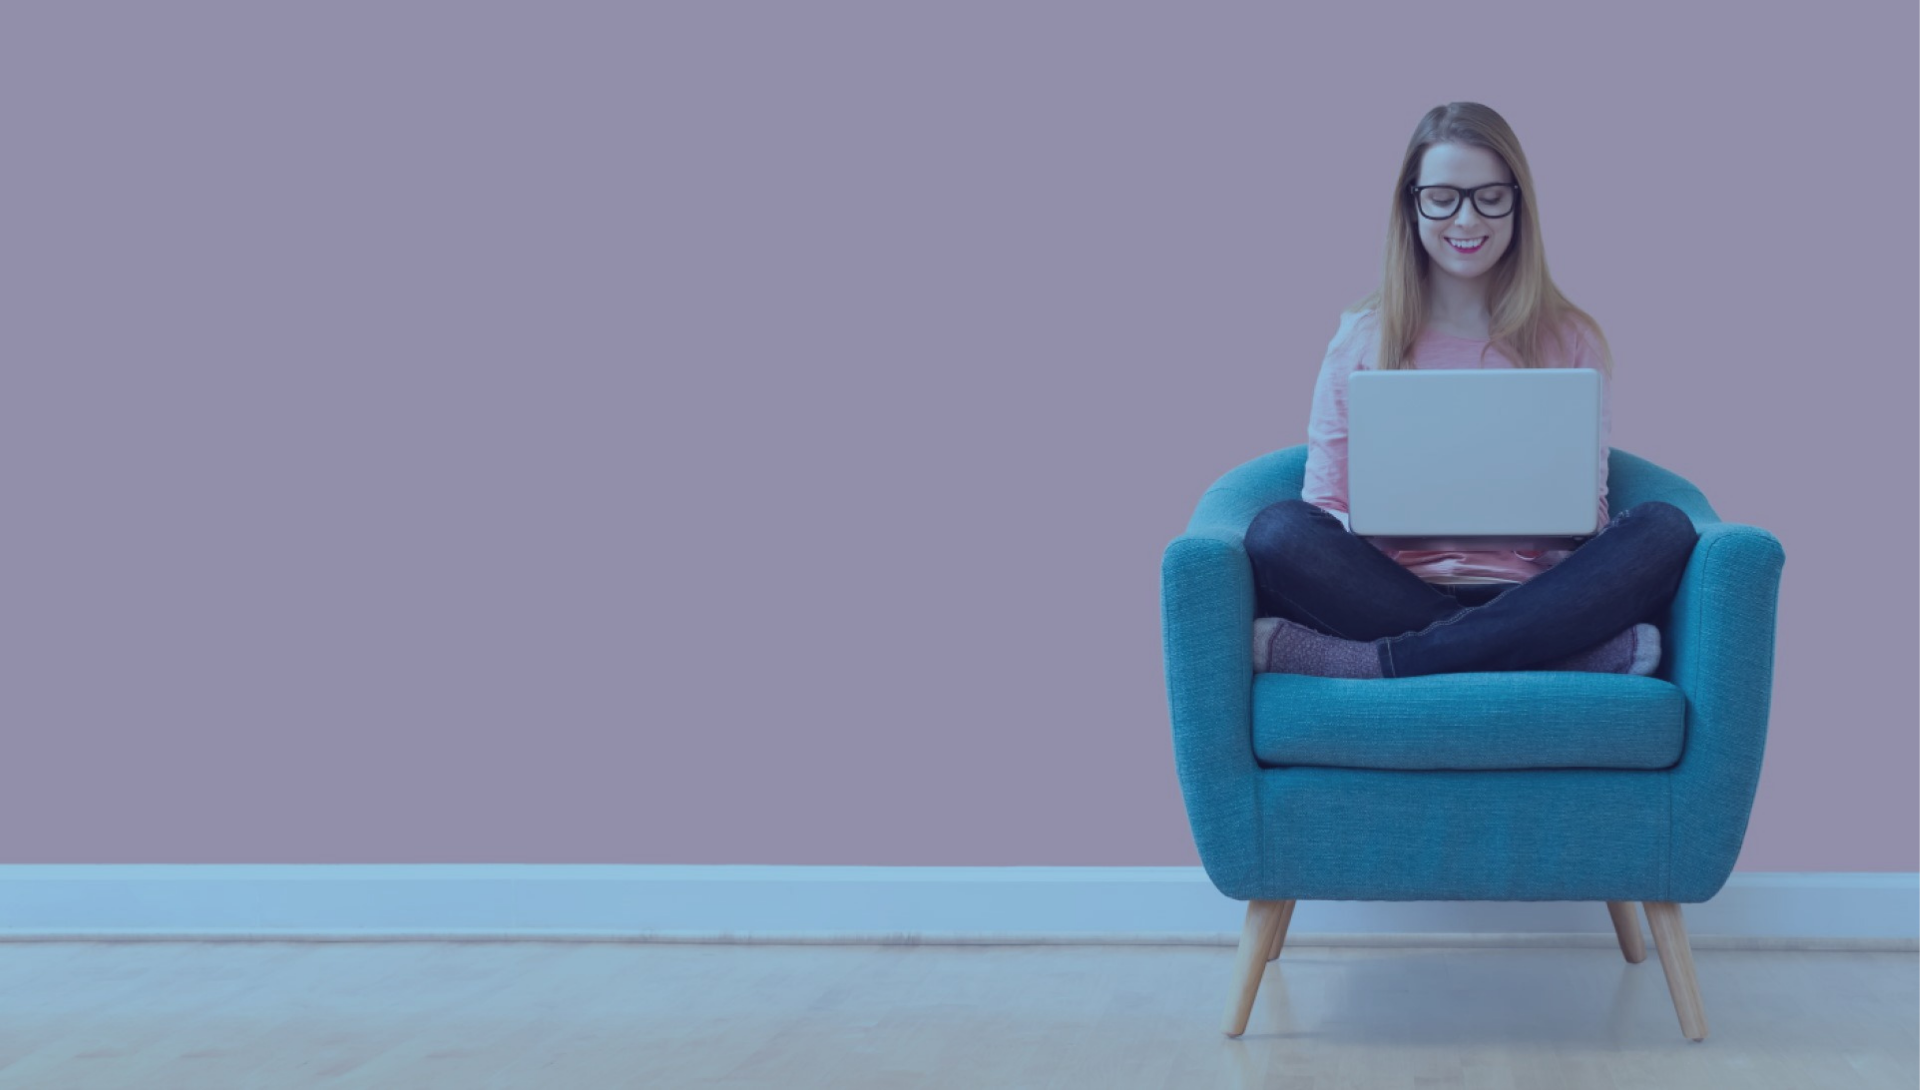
x,y
1474,459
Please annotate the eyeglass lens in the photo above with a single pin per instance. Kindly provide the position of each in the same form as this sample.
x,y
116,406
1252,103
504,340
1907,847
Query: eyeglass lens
x,y
1443,201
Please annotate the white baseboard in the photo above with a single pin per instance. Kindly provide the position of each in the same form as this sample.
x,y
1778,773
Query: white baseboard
x,y
910,905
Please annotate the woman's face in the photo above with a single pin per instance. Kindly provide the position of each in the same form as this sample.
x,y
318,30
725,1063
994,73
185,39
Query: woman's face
x,y
1464,167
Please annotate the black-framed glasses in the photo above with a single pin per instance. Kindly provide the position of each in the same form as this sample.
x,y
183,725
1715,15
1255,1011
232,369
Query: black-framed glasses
x,y
1438,202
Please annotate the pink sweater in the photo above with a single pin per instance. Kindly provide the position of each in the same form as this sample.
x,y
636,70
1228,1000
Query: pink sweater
x,y
1356,345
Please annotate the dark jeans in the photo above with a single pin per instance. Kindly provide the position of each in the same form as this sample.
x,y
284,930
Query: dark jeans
x,y
1308,568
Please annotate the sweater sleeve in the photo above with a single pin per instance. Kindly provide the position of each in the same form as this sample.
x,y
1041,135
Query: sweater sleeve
x,y
1325,482
1587,354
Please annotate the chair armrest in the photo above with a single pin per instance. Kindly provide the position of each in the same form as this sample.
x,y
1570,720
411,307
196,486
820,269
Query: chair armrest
x,y
1719,642
1206,625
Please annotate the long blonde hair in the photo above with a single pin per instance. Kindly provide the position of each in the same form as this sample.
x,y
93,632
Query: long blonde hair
x,y
1526,308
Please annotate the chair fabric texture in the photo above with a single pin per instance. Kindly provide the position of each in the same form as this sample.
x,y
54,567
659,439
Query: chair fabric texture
x,y
1514,785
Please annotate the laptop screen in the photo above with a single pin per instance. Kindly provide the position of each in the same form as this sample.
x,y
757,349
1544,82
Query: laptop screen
x,y
1492,455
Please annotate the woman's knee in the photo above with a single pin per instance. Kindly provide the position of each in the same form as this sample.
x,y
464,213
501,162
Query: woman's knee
x,y
1662,511
1672,520
1278,521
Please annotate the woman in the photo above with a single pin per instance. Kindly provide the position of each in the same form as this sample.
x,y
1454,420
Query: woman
x,y
1465,286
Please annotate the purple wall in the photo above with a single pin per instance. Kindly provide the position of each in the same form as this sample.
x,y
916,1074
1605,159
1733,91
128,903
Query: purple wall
x,y
683,433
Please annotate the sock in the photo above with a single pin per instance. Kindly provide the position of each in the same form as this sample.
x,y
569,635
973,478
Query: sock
x,y
1635,650
1282,647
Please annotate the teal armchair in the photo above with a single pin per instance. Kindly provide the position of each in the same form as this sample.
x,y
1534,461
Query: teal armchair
x,y
1521,785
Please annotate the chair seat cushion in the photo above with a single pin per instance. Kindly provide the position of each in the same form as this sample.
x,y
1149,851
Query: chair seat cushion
x,y
1499,720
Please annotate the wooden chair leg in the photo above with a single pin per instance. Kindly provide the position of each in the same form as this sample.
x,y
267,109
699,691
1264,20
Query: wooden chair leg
x,y
1250,963
1626,925
1280,936
1676,957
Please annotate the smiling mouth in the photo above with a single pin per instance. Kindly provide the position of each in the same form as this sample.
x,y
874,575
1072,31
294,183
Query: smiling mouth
x,y
1475,248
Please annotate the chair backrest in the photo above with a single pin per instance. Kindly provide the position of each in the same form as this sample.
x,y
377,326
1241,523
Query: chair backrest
x,y
1241,492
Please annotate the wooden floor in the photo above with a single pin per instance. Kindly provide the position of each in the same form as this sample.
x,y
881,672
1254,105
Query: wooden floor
x,y
205,1016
